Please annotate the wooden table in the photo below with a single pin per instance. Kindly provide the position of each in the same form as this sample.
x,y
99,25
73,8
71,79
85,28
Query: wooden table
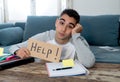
x,y
36,72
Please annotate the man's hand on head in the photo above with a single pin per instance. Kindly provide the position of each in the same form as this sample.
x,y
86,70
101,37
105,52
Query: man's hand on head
x,y
78,28
23,53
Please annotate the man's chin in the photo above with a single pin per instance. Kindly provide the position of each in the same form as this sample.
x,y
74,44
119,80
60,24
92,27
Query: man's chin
x,y
62,38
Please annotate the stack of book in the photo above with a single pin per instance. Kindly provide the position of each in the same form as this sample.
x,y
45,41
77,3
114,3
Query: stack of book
x,y
9,60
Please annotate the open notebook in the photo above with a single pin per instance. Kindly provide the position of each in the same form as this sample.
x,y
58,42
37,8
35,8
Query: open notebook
x,y
78,69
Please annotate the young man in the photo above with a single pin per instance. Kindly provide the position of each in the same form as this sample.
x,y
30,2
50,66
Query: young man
x,y
67,35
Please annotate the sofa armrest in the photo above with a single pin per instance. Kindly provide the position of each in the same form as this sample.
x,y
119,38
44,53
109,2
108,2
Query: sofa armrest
x,y
12,35
20,24
6,25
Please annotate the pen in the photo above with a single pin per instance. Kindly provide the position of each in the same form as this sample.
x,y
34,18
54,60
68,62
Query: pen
x,y
12,57
62,68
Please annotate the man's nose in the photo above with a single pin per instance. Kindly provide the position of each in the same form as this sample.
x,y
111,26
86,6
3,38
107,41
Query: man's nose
x,y
64,28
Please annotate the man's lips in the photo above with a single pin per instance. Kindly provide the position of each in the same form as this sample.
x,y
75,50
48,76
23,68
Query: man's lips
x,y
61,34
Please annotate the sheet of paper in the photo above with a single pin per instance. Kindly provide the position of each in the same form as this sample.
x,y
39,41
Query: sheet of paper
x,y
1,51
108,48
68,63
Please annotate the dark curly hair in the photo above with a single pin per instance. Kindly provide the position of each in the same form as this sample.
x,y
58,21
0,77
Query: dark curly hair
x,y
72,13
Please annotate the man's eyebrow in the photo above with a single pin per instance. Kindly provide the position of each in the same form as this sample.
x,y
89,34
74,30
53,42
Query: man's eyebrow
x,y
72,24
61,19
64,20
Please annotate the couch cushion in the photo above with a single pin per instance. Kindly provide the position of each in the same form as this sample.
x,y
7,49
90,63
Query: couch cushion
x,y
101,30
119,31
12,35
106,54
38,24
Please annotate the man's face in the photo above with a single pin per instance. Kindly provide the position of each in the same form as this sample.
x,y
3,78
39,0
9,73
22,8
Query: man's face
x,y
64,26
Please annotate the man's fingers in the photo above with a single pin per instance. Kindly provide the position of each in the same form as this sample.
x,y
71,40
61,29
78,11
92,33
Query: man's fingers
x,y
26,51
23,53
79,28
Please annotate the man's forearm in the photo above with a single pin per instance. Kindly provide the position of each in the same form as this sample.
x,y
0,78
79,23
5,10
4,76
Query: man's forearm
x,y
15,47
84,54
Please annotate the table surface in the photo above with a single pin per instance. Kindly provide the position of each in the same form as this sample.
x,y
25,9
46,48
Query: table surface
x,y
36,72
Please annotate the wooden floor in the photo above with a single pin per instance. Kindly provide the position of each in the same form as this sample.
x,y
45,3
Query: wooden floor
x,y
36,72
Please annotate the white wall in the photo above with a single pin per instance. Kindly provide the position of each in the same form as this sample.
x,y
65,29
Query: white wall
x,y
0,16
97,7
1,12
